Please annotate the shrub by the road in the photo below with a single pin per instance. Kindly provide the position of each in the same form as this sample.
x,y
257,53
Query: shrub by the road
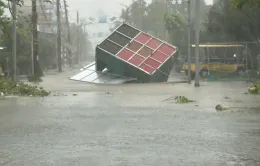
x,y
10,87
255,88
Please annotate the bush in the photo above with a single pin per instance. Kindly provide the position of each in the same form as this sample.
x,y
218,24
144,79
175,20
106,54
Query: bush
x,y
255,89
10,87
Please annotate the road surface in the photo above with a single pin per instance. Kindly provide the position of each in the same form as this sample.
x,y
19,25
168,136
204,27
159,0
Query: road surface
x,y
130,125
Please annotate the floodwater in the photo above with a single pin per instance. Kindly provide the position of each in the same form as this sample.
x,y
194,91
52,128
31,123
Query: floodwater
x,y
131,125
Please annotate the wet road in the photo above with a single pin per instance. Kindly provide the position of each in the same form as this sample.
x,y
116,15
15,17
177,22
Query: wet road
x,y
131,125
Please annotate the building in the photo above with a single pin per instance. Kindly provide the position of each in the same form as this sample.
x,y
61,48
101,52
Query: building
x,y
98,28
45,12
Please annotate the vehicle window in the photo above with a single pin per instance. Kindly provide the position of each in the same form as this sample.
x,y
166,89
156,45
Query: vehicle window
x,y
216,61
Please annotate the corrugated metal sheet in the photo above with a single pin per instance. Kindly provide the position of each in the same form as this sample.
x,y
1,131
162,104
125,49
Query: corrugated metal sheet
x,y
89,74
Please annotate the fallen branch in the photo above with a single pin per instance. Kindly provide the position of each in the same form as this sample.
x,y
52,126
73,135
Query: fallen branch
x,y
183,100
9,87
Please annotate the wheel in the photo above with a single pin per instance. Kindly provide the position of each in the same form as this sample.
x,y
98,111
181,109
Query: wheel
x,y
204,72
186,72
193,75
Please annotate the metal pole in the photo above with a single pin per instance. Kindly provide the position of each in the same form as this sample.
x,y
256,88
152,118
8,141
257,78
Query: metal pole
x,y
68,53
58,36
197,40
166,12
189,43
14,14
246,58
208,58
142,17
35,39
78,38
32,56
7,66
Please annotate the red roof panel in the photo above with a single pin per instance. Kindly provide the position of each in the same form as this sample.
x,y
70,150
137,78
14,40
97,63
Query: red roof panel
x,y
145,51
125,54
143,38
147,68
154,43
153,63
134,46
136,60
161,57
165,48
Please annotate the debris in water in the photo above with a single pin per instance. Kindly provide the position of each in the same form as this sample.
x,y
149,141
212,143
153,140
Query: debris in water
x,y
254,88
182,100
221,107
226,97
59,94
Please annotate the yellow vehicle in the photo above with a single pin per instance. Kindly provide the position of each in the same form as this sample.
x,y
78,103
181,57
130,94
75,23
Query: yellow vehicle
x,y
234,63
215,65
1,71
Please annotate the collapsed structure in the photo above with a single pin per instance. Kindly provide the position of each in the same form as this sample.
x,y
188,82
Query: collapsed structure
x,y
129,54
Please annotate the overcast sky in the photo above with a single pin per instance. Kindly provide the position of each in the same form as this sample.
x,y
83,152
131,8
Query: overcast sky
x,y
88,8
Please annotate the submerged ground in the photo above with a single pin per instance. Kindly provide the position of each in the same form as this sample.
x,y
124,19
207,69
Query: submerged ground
x,y
84,124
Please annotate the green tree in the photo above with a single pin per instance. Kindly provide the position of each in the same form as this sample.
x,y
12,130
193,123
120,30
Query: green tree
x,y
135,13
177,29
228,24
23,46
240,3
154,22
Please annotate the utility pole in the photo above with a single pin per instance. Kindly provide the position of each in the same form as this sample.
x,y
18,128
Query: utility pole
x,y
14,14
78,26
34,36
32,58
189,43
166,12
197,41
58,36
142,16
69,55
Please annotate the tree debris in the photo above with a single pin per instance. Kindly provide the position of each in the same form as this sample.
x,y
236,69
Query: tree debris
x,y
182,100
254,89
9,87
221,107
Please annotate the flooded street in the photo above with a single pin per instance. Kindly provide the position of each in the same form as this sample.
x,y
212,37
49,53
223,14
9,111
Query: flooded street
x,y
127,125
69,74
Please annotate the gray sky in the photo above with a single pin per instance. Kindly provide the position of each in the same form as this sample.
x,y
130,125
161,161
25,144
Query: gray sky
x,y
88,8
91,7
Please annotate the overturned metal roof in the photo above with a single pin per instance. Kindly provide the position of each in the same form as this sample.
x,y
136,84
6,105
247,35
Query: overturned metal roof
x,y
89,74
129,54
